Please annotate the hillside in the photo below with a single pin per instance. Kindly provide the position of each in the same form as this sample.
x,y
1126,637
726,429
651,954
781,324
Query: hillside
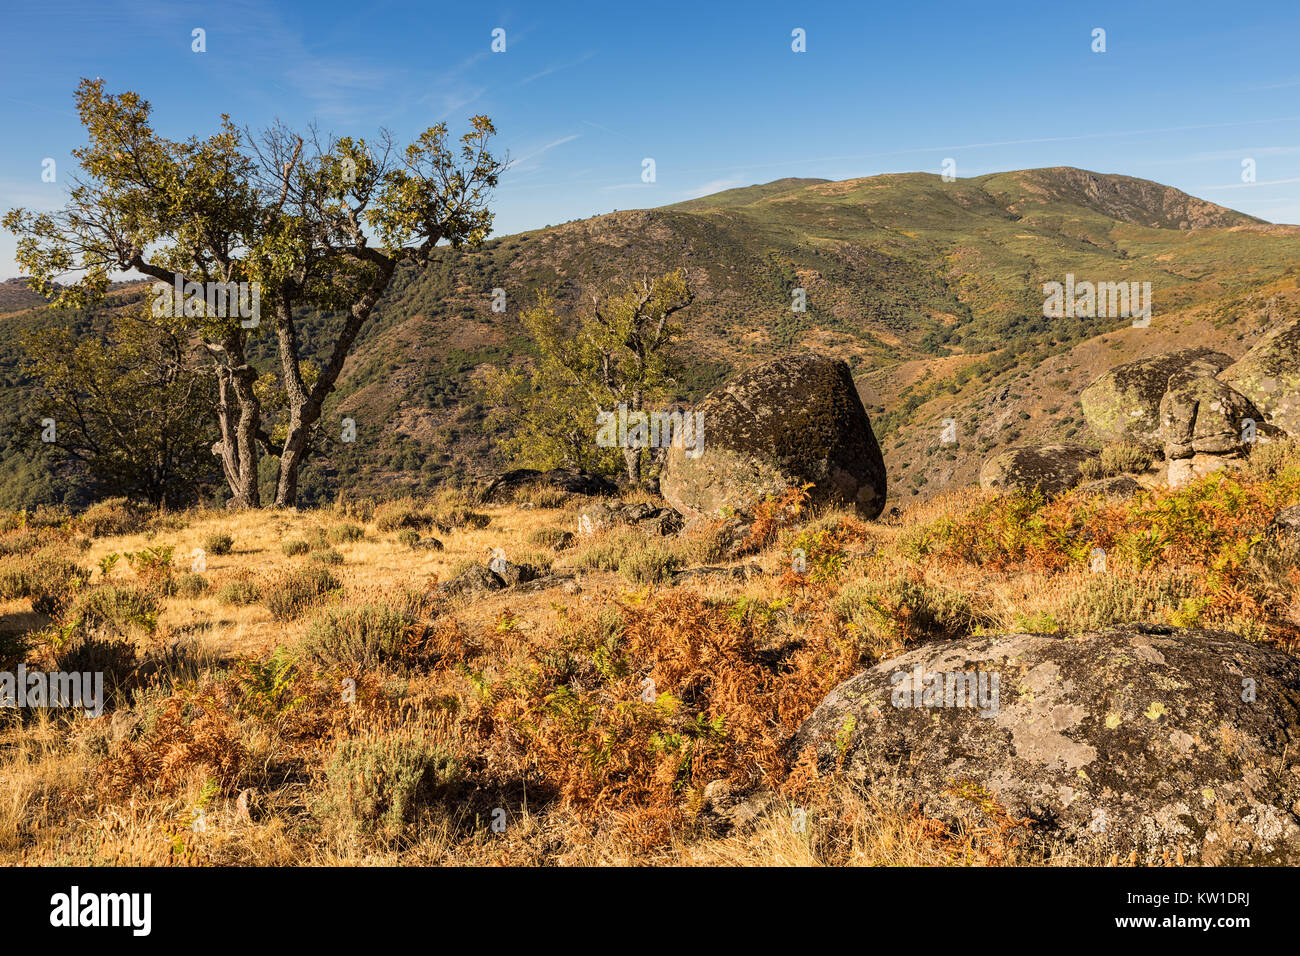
x,y
932,291
16,296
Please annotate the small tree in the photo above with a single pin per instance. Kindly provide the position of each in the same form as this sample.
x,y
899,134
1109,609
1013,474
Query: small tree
x,y
128,406
617,355
310,224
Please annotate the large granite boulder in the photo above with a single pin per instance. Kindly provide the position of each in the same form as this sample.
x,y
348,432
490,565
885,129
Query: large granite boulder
x,y
567,480
1052,469
1153,741
782,424
1206,425
1200,415
1124,404
1269,375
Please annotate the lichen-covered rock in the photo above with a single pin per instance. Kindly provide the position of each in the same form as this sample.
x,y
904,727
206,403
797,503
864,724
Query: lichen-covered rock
x,y
570,481
474,580
1116,486
1286,523
1269,375
1124,404
1052,469
1200,415
782,424
1108,743
512,574
653,521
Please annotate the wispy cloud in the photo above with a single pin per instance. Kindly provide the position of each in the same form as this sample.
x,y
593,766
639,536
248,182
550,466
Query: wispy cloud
x,y
556,69
1267,182
519,164
714,186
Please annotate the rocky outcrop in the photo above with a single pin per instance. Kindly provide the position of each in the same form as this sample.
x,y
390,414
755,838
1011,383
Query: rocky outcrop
x,y
786,423
1200,415
1124,404
1110,743
477,579
656,522
1052,469
505,487
1269,375
1206,425
1116,486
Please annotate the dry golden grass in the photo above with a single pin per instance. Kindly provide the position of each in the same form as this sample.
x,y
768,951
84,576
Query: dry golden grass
x,y
227,742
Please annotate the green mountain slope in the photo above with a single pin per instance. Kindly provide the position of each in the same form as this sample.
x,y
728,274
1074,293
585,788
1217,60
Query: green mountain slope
x,y
931,290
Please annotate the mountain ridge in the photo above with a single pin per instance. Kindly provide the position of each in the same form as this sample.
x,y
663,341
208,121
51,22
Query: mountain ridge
x,y
932,291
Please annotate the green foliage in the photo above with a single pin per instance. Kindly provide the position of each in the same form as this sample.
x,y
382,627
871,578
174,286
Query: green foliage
x,y
129,410
283,212
268,686
153,565
615,354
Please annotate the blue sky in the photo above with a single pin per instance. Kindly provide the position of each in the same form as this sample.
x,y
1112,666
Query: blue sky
x,y
711,91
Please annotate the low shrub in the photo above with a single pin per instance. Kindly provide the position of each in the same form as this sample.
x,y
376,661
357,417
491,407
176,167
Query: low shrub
x,y
290,593
190,585
359,638
345,533
239,591
375,785
218,543
555,538
1125,458
112,516
650,565
401,513
48,578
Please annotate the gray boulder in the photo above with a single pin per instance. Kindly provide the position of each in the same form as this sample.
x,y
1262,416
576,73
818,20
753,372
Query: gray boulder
x,y
1108,743
1052,469
782,424
570,481
1269,375
1116,486
1200,415
474,580
1124,404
